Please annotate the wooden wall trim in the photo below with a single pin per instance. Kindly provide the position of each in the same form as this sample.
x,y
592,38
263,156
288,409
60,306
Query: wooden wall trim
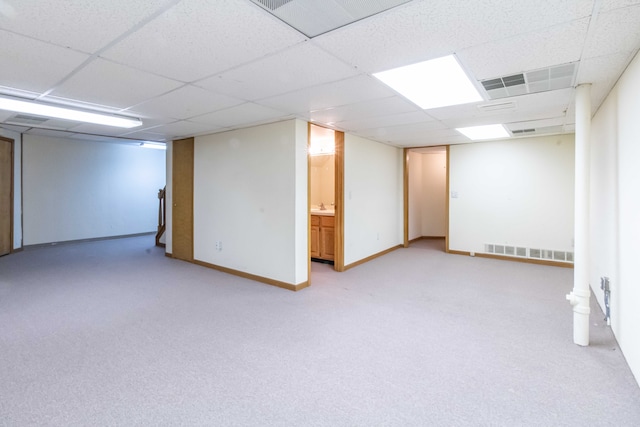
x,y
272,282
338,262
446,237
308,204
12,154
405,195
374,256
427,238
516,259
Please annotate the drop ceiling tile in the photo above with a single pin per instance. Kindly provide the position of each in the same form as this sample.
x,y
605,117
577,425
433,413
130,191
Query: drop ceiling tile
x,y
85,25
532,106
607,5
50,133
147,135
552,46
14,128
616,31
93,129
185,129
297,67
386,120
344,92
363,110
33,65
602,72
241,115
204,38
185,102
429,29
414,131
107,83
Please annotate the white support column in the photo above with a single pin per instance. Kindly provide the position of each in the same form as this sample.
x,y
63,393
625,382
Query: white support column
x,y
579,297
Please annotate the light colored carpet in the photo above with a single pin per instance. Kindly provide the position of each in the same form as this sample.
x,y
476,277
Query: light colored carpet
x,y
115,333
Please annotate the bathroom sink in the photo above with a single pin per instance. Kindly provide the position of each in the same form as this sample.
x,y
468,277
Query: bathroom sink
x,y
323,212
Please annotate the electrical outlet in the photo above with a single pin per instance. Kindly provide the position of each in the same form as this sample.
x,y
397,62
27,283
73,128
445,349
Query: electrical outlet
x,y
219,245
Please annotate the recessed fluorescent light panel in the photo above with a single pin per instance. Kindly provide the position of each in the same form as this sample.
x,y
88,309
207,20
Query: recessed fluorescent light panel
x,y
478,133
440,82
45,110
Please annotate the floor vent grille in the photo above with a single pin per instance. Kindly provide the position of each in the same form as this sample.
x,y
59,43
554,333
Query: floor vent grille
x,y
534,253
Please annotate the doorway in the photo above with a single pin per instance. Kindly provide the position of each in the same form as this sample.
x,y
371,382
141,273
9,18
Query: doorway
x,y
325,196
426,210
6,195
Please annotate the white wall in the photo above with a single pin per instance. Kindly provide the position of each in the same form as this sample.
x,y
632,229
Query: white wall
x,y
433,209
17,185
373,183
615,209
516,192
250,193
74,189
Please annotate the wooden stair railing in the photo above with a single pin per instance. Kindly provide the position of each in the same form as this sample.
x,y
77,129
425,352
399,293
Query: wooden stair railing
x,y
162,215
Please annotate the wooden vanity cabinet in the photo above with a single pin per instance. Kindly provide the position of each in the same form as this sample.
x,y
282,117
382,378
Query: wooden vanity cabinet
x,y
322,237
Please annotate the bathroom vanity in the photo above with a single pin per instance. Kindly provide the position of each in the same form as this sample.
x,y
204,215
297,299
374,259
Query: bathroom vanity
x,y
322,234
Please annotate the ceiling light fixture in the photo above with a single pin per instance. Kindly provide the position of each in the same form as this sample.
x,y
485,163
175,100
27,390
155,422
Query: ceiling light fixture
x,y
439,82
45,110
477,133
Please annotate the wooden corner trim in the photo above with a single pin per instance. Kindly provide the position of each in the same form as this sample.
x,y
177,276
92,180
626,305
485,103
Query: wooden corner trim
x,y
508,258
369,258
272,282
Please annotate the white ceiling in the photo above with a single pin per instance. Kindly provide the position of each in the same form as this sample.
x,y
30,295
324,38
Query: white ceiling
x,y
193,67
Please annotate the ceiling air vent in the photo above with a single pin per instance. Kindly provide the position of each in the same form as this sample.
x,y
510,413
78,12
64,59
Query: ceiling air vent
x,y
497,106
542,80
25,119
273,4
522,131
544,130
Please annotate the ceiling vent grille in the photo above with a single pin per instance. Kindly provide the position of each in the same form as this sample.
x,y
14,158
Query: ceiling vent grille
x,y
542,80
273,4
497,106
24,119
544,130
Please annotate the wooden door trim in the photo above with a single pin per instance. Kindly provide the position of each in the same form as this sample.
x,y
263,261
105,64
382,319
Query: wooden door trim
x,y
11,188
173,197
308,204
338,262
405,195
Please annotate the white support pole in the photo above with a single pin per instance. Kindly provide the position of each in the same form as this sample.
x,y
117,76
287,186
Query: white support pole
x,y
579,297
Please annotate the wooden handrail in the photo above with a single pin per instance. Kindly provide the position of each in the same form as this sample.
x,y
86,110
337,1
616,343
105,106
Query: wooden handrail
x,y
162,215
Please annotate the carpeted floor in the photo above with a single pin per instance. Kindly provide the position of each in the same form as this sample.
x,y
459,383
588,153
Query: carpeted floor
x,y
115,333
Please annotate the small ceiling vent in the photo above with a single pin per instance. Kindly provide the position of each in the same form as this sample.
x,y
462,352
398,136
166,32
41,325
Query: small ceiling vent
x,y
273,4
25,119
521,131
543,130
542,80
497,106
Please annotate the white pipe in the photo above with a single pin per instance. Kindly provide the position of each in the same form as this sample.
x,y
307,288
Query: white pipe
x,y
579,297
